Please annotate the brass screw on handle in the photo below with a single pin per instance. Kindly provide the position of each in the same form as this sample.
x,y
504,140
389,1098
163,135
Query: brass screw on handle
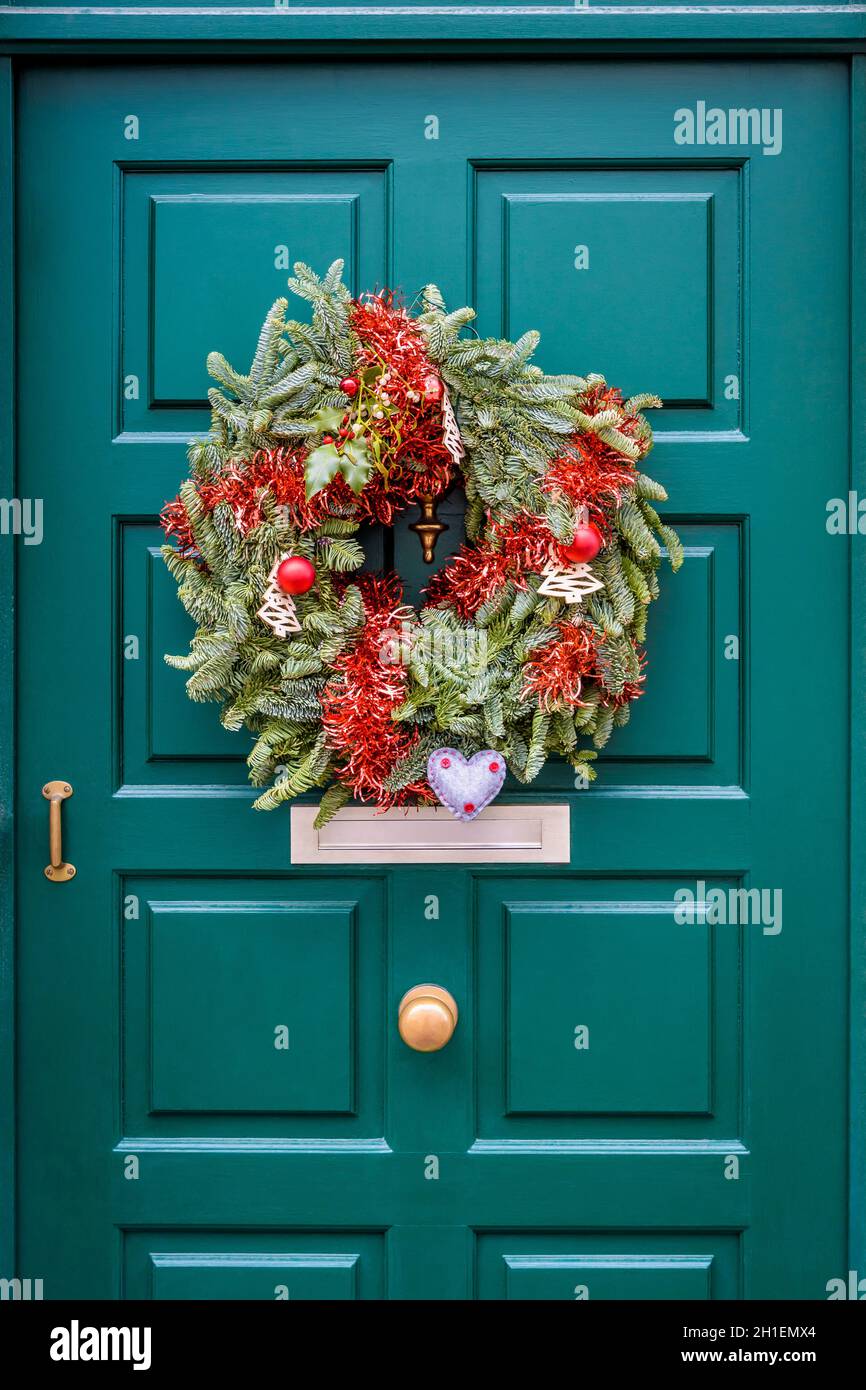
x,y
427,1017
55,794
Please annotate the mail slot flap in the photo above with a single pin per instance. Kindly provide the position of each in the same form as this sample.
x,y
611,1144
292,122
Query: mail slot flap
x,y
533,834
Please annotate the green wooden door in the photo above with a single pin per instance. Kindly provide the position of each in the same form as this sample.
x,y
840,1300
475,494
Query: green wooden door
x,y
632,1106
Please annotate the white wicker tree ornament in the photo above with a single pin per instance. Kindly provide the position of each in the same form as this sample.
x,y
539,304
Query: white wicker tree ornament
x,y
450,433
278,611
569,582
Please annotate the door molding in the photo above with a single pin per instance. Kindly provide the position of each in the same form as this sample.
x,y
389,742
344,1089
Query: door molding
x,y
67,34
7,676
857,784
395,27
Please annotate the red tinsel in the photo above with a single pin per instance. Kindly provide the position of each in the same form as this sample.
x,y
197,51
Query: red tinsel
x,y
408,437
469,579
357,701
590,473
600,398
477,572
408,440
555,673
592,476
281,473
524,542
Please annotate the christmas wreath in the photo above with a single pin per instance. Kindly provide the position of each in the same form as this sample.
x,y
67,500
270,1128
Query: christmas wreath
x,y
530,639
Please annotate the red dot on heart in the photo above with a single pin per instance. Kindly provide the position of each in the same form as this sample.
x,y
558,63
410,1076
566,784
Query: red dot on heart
x,y
446,762
470,806
494,767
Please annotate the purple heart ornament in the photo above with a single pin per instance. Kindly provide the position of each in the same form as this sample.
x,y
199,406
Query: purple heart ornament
x,y
466,787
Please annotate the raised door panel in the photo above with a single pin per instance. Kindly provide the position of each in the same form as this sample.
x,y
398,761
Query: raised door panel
x,y
252,1008
626,989
271,1266
330,1278
632,272
621,1266
203,254
601,1012
548,1278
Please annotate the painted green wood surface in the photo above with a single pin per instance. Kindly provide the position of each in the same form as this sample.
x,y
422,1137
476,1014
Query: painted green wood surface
x,y
521,27
151,987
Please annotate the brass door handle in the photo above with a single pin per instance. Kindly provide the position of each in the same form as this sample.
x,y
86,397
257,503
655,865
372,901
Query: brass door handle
x,y
427,1017
55,794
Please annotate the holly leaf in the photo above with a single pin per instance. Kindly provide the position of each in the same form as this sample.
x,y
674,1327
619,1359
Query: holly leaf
x,y
328,419
321,468
355,464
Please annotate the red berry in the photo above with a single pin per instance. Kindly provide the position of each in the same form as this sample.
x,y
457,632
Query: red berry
x,y
296,575
494,767
345,432
327,439
469,807
349,386
586,544
446,762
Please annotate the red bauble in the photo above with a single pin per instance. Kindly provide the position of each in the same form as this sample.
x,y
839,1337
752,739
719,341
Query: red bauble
x,y
432,388
349,386
586,544
296,575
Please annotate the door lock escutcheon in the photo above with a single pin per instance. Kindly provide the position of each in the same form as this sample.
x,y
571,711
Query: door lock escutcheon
x,y
55,794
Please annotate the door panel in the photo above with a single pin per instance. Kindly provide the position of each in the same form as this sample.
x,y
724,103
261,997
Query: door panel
x,y
677,230
284,1266
626,1266
253,1015
212,249
208,1052
600,1014
607,1004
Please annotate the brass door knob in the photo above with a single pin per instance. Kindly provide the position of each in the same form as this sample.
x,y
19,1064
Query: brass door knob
x,y
427,1017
